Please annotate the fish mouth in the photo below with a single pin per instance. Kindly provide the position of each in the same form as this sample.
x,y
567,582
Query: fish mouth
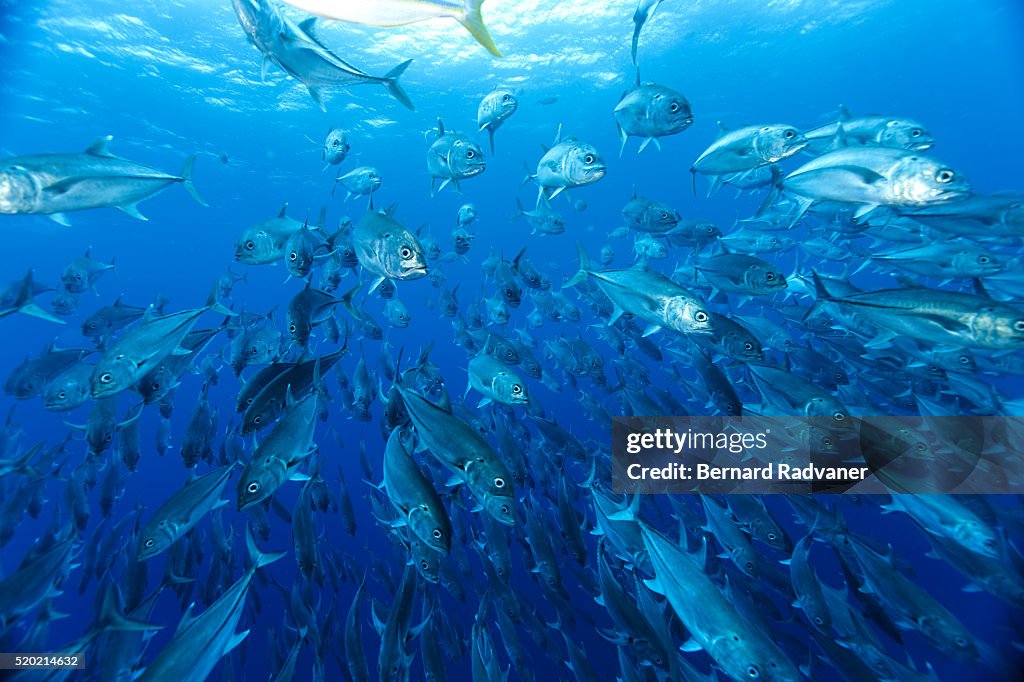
x,y
414,272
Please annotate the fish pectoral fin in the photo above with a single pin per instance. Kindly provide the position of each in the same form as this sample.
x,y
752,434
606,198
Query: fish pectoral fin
x,y
946,323
654,585
35,311
133,211
63,186
60,219
691,646
315,94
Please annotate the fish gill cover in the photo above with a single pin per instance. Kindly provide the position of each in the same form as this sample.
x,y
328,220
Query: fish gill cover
x,y
315,330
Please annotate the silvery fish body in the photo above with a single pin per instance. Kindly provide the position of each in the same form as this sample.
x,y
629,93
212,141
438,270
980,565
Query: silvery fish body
x,y
298,52
52,184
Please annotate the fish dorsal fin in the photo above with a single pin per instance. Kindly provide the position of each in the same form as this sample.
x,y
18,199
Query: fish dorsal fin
x,y
558,135
390,210
99,147
440,127
309,26
844,113
284,211
637,81
722,129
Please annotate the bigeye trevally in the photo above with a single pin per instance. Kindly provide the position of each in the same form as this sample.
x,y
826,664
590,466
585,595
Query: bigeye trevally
x,y
402,12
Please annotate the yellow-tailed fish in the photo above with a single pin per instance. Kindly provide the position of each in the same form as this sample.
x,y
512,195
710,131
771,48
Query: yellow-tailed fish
x,y
402,12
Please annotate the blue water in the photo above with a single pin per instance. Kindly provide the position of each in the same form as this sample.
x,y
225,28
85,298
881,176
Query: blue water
x,y
172,79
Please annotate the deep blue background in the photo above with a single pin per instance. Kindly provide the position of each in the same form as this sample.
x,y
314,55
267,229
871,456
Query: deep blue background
x,y
181,79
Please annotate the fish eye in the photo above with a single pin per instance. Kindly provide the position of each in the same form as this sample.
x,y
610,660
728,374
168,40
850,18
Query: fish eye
x,y
916,132
470,154
749,566
405,252
790,134
424,565
504,509
674,107
505,98
253,488
983,259
664,215
1018,326
748,346
292,256
292,328
944,176
818,620
499,482
964,359
517,389
257,419
589,158
770,276
437,534
61,395
960,642
838,416
700,316
250,244
753,672
336,143
149,543
106,378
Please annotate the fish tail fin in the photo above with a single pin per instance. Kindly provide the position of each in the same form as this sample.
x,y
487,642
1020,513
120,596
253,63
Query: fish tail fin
x,y
114,618
346,301
473,20
258,557
821,296
581,274
186,174
520,210
773,195
216,306
390,82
